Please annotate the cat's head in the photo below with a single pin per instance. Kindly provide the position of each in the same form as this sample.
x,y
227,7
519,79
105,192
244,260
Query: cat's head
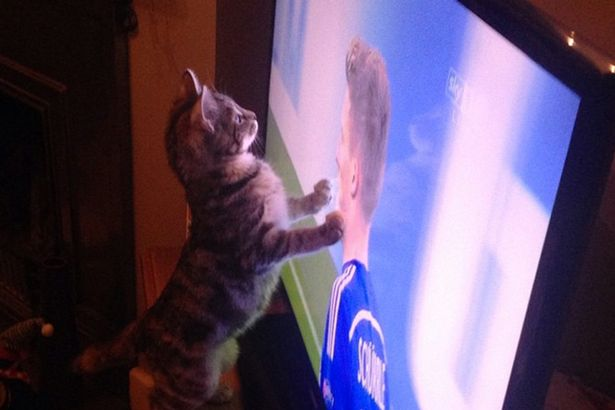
x,y
206,129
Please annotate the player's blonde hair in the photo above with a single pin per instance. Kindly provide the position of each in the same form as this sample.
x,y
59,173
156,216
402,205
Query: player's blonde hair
x,y
370,107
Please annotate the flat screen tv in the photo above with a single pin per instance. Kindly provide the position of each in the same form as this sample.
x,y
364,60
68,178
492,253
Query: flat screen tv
x,y
501,136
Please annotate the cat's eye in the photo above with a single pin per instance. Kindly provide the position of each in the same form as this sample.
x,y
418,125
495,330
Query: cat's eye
x,y
238,118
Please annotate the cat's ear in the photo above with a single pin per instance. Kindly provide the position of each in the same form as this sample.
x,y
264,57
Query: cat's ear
x,y
190,86
206,98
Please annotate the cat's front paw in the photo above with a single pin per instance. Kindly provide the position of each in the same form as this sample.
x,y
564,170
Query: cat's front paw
x,y
335,225
322,194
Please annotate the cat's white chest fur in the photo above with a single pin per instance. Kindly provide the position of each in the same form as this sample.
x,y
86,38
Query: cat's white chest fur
x,y
276,207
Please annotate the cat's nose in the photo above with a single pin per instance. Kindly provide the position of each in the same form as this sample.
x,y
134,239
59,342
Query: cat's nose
x,y
250,115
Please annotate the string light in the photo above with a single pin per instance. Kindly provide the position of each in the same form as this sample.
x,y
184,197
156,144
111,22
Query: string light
x,y
570,39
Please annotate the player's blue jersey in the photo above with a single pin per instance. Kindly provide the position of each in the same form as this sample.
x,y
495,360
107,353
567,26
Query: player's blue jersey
x,y
353,371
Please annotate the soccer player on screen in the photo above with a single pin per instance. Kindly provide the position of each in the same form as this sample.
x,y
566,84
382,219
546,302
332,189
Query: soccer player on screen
x,y
353,369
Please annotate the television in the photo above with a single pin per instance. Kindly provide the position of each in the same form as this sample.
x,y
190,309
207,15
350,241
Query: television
x,y
501,137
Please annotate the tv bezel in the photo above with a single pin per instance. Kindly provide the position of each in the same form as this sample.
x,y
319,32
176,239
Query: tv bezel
x,y
578,199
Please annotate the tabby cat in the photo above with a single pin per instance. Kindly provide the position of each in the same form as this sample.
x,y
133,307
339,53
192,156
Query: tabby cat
x,y
226,272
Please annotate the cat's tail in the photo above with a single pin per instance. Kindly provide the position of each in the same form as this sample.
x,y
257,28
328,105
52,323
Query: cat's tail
x,y
118,351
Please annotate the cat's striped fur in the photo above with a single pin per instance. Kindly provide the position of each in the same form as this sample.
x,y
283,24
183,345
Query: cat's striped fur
x,y
225,275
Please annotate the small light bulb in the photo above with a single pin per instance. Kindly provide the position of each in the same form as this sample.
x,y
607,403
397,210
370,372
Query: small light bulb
x,y
612,68
47,330
570,39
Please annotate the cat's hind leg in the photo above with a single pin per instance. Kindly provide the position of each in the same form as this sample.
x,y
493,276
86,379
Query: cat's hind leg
x,y
228,352
226,356
169,394
191,381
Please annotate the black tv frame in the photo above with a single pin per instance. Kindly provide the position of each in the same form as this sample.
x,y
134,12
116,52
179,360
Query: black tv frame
x,y
243,58
579,194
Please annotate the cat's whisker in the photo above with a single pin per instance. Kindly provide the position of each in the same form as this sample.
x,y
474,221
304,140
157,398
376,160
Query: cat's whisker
x,y
258,146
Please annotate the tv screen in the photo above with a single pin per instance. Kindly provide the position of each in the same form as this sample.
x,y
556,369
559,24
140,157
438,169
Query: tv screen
x,y
486,199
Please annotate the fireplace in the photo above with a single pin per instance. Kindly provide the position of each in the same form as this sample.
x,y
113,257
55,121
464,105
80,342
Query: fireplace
x,y
34,223
24,213
66,210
